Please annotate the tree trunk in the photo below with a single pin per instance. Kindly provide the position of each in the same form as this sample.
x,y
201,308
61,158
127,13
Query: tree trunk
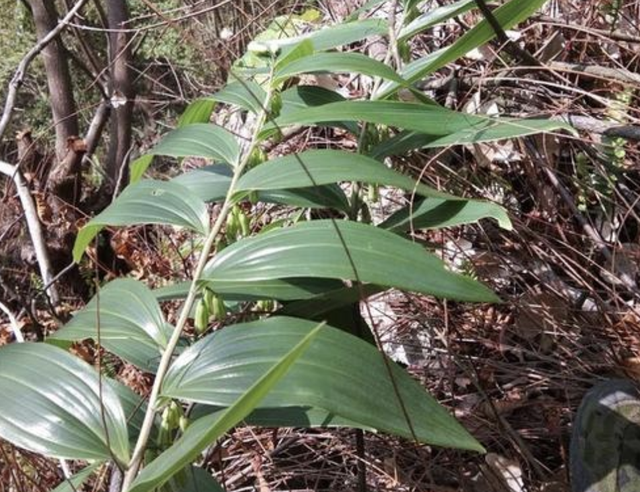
x,y
63,105
64,178
122,94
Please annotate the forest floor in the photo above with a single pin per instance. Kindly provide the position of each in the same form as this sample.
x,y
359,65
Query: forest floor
x,y
513,373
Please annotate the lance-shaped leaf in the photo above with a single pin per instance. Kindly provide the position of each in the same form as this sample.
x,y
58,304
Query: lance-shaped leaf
x,y
369,5
456,127
51,405
318,167
280,289
199,140
339,374
199,111
207,429
290,54
133,405
436,213
211,183
328,249
434,17
130,322
329,37
147,202
307,417
74,483
338,63
307,96
507,15
138,167
317,307
193,479
405,141
247,95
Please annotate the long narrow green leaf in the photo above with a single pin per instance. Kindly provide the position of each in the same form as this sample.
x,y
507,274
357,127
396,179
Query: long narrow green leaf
x,y
207,429
332,36
337,63
306,417
328,166
452,126
248,95
131,323
138,167
147,202
211,184
369,5
199,111
294,53
504,128
75,483
199,140
133,405
281,289
435,17
305,96
318,306
192,479
51,405
339,374
308,96
315,249
436,213
508,15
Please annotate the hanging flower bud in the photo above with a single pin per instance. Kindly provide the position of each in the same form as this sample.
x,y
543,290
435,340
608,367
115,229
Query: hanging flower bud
x,y
201,319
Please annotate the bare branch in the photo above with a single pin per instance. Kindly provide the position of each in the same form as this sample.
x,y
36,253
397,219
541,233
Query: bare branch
x,y
35,229
15,327
18,77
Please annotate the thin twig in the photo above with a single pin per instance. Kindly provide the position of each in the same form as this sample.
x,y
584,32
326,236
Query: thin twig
x,y
615,35
588,229
515,50
15,327
18,77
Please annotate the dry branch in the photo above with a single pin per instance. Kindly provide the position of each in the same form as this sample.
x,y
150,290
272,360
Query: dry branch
x,y
35,229
26,200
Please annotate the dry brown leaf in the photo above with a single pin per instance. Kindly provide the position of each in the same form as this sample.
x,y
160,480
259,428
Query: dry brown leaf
x,y
540,312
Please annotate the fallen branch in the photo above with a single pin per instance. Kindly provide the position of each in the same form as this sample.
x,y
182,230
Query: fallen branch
x,y
607,128
615,35
35,229
597,71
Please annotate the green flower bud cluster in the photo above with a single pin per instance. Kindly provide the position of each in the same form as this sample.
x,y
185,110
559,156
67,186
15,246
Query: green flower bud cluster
x,y
210,306
173,419
238,225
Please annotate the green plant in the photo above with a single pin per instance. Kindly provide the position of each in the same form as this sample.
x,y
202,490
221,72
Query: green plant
x,y
284,369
